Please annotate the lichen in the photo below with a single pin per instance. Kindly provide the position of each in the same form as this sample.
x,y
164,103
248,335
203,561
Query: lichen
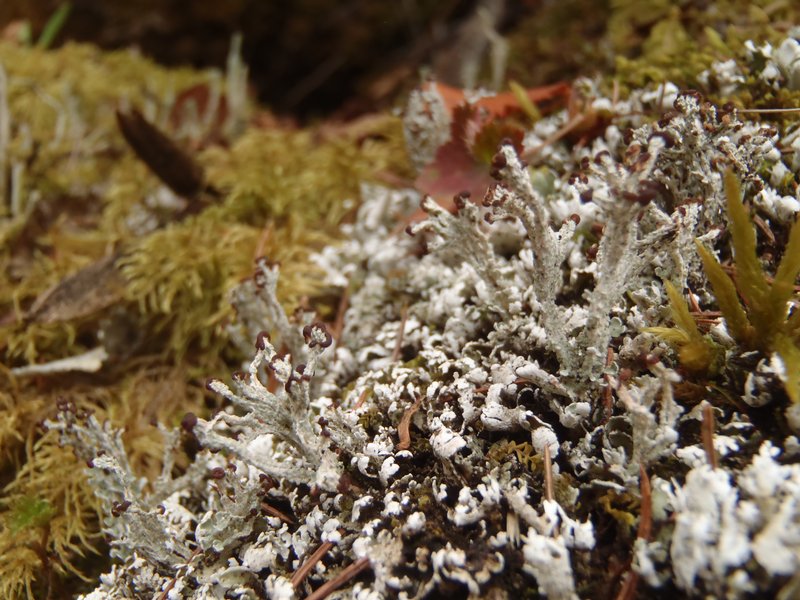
x,y
98,260
469,401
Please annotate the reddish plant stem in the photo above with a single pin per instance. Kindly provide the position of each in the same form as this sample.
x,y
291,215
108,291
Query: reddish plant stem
x,y
301,573
346,575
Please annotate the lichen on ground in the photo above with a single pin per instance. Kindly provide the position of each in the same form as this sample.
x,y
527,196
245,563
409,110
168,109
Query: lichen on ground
x,y
96,254
547,389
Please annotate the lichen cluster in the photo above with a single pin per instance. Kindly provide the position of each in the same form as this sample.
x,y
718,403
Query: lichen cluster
x,y
114,291
498,409
580,382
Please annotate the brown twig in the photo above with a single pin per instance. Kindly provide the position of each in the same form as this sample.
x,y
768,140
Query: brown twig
x,y
403,428
731,270
693,305
759,222
361,398
707,433
646,514
301,573
338,324
627,590
271,510
346,575
398,345
165,593
548,474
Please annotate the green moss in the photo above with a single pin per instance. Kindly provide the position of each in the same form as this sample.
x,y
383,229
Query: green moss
x,y
622,507
29,512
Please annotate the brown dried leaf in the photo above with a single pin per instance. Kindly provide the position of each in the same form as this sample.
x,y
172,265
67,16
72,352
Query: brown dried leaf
x,y
93,288
170,163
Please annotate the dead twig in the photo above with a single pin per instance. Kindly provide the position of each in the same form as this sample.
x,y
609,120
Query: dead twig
x,y
271,510
165,593
548,474
398,345
301,573
707,433
362,398
346,575
628,589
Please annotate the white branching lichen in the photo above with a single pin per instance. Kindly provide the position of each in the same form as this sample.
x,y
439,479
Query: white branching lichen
x,y
491,379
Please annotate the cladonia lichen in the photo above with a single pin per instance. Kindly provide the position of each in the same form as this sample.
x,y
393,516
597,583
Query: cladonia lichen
x,y
376,453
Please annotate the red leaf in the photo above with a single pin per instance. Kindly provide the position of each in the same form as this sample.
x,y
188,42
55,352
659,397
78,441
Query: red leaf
x,y
476,130
506,103
455,169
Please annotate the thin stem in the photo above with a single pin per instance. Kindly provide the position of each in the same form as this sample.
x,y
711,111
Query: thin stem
x,y
346,575
301,573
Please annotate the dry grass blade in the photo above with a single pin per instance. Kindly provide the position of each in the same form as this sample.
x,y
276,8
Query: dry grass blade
x,y
398,345
93,288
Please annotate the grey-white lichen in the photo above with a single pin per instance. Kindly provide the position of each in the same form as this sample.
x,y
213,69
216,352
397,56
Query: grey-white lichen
x,y
408,456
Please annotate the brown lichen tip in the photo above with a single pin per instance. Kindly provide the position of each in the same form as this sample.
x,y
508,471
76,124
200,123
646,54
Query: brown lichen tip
x,y
317,334
188,422
262,339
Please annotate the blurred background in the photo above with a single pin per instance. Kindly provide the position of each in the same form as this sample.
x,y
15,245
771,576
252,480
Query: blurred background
x,y
317,58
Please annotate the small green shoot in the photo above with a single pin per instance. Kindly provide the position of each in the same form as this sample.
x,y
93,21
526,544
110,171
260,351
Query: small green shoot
x,y
760,320
528,107
696,353
54,26
754,307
